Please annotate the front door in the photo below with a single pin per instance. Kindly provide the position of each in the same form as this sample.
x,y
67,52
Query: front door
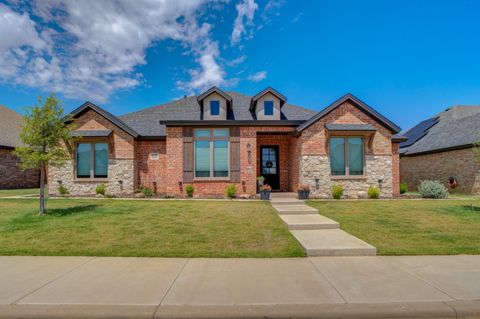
x,y
269,166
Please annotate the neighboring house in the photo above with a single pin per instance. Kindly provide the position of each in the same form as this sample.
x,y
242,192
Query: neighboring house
x,y
218,138
11,176
440,148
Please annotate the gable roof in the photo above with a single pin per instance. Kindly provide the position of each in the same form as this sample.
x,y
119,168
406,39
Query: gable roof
x,y
109,116
10,125
455,128
271,90
359,104
214,89
146,121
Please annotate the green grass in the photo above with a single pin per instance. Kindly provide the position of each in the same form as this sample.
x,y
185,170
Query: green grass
x,y
144,228
19,192
410,227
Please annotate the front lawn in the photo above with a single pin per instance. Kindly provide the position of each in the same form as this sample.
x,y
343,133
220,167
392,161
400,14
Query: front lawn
x,y
410,227
144,228
19,192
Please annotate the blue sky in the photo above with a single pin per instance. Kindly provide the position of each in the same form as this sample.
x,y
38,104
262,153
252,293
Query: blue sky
x,y
407,59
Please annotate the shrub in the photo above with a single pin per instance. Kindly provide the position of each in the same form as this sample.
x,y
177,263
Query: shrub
x,y
63,190
147,191
373,192
337,191
101,189
260,178
189,189
403,188
231,191
432,189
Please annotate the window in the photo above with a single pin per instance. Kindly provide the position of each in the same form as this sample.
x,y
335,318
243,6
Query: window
x,y
268,107
92,160
346,156
211,153
214,107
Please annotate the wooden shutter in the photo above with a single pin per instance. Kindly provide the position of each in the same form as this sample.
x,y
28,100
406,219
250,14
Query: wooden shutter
x,y
235,154
187,155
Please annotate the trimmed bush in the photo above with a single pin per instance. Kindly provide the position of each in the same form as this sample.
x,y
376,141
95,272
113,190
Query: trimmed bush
x,y
147,191
337,191
403,188
373,192
432,189
231,191
101,189
63,190
189,189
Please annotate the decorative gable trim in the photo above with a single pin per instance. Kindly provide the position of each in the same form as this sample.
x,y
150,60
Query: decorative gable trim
x,y
215,89
271,90
357,103
112,118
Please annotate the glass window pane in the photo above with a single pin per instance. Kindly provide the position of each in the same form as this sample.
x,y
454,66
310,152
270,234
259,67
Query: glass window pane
x,y
214,107
202,158
101,160
220,132
268,107
355,155
220,158
337,155
83,160
202,133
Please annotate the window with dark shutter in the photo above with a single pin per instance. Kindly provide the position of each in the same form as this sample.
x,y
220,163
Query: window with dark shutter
x,y
235,154
187,155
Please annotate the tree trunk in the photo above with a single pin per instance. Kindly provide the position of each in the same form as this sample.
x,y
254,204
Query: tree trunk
x,y
42,189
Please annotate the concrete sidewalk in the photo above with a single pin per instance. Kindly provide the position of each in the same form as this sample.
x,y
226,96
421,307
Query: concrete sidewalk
x,y
318,287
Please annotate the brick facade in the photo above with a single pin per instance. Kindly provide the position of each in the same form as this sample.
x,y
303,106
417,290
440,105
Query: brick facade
x,y
11,176
121,164
303,159
440,166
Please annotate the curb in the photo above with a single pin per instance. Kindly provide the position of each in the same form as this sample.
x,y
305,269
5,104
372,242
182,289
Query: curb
x,y
438,310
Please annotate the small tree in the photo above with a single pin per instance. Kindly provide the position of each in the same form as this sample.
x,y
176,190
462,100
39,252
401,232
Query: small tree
x,y
43,131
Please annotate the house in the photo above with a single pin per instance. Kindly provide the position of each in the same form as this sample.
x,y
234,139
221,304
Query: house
x,y
11,176
219,138
440,148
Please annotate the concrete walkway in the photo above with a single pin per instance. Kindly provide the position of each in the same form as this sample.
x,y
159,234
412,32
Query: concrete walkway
x,y
319,235
325,287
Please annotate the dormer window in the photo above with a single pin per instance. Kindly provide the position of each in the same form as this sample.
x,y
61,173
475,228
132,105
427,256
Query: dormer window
x,y
268,108
214,107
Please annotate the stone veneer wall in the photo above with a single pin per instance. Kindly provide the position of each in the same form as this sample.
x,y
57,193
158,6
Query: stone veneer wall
x,y
318,167
122,177
440,166
380,156
11,176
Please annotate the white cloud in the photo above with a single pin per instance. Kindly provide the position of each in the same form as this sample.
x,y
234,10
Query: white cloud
x,y
245,13
96,46
259,76
237,61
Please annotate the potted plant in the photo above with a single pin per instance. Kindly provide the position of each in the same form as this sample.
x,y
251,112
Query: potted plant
x,y
260,180
303,191
265,191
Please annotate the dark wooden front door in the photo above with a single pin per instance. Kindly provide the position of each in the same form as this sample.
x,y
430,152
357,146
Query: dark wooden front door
x,y
269,166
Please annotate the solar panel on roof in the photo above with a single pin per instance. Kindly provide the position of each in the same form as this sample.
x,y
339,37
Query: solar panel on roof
x,y
417,132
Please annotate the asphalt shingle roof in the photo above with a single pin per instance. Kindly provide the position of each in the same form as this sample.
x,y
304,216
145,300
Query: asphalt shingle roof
x,y
456,127
146,122
10,127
